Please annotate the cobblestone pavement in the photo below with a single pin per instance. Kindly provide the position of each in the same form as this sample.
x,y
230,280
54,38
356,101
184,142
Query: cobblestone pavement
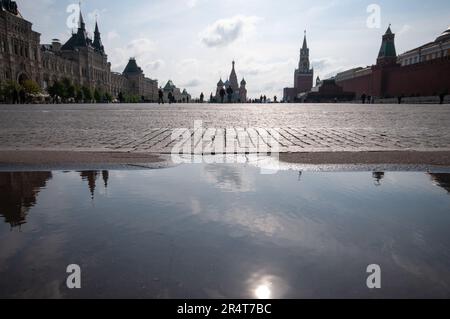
x,y
226,128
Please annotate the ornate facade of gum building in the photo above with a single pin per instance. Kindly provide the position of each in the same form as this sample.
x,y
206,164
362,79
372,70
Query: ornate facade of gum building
x,y
81,59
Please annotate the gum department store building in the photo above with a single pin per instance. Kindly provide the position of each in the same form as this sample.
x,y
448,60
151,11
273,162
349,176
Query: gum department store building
x,y
81,59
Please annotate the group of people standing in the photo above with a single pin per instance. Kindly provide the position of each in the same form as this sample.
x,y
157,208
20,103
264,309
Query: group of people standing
x,y
222,93
170,97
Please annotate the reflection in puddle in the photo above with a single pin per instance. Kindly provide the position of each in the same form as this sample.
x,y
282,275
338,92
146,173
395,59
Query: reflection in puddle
x,y
224,231
442,180
18,193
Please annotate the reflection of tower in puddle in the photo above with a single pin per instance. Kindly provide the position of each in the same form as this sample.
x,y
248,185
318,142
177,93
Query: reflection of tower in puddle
x,y
91,178
105,175
378,177
18,194
442,180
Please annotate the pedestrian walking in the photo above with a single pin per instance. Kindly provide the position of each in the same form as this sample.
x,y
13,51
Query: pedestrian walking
x,y
161,96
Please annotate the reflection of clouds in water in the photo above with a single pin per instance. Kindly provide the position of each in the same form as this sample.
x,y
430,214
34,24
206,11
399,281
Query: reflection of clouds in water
x,y
196,206
230,178
250,221
279,228
418,267
9,248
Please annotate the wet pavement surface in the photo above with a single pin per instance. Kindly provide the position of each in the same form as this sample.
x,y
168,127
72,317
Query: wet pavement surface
x,y
224,231
225,128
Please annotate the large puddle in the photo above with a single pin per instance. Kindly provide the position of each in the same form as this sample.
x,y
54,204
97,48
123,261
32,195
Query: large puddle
x,y
224,231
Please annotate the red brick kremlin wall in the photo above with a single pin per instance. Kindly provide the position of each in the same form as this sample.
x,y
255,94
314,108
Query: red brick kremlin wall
x,y
360,85
423,79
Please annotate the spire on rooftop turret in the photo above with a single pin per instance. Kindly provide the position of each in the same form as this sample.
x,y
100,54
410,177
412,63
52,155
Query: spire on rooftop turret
x,y
81,24
389,31
305,44
233,78
98,39
304,64
79,39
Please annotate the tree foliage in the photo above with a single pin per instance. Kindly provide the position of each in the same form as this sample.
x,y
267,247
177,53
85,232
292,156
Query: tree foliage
x,y
31,87
87,93
97,95
9,88
57,90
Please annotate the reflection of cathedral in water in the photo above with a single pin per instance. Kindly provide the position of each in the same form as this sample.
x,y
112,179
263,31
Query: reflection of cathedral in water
x,y
18,192
91,177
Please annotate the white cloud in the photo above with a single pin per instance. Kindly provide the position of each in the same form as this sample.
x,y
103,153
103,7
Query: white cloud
x,y
188,63
192,83
328,67
112,35
192,3
316,10
139,47
226,31
405,29
142,49
154,65
262,67
96,14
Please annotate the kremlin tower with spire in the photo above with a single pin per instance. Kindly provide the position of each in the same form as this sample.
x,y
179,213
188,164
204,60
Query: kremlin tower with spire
x,y
303,76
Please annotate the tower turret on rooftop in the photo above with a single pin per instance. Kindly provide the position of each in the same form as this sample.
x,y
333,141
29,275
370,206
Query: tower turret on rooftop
x,y
81,24
233,78
388,53
304,64
79,39
98,45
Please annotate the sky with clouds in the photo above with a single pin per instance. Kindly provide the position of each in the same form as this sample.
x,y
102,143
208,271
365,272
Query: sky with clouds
x,y
192,42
